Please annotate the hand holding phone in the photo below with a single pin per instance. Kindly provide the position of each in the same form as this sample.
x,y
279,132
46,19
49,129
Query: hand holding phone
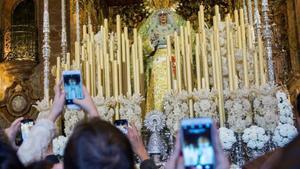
x,y
26,126
197,143
122,125
73,87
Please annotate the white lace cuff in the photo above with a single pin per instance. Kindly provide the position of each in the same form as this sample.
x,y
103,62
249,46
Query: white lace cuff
x,y
35,146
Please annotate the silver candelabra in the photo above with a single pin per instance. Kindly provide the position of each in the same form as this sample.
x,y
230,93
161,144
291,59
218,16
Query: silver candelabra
x,y
268,40
46,50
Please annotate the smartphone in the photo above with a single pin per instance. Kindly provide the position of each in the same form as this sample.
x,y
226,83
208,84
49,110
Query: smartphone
x,y
73,87
122,125
26,126
197,145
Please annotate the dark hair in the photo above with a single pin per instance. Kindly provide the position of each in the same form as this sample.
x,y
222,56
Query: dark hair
x,y
40,165
290,156
97,144
52,159
9,158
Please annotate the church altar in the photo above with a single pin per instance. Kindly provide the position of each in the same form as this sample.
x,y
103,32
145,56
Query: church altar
x,y
165,71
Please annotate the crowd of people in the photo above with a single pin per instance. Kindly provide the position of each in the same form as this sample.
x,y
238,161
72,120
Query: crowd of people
x,y
97,144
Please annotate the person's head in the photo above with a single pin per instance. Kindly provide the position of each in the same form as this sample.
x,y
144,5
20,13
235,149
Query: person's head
x,y
40,165
163,18
96,144
9,158
290,155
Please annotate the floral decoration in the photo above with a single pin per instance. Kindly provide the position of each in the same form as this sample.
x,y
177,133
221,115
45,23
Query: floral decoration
x,y
265,107
204,104
59,144
285,108
72,117
130,109
227,138
255,137
176,109
238,108
234,166
105,107
283,134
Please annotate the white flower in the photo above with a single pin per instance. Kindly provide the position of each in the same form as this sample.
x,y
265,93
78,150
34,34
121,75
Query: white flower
x,y
59,144
283,134
285,108
176,109
255,137
265,109
130,109
234,166
205,105
239,111
72,117
227,138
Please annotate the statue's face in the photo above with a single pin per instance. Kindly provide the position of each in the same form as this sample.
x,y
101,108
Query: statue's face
x,y
163,19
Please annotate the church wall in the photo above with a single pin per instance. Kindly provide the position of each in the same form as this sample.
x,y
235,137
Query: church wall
x,y
293,13
34,78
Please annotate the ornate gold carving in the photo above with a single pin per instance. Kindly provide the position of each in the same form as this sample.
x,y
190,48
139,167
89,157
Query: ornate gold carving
x,y
18,103
7,43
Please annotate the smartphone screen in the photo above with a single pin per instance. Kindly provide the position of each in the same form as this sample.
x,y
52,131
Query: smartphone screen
x,y
122,125
72,86
26,126
197,147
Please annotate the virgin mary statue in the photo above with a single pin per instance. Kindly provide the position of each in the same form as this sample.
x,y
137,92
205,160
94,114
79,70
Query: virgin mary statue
x,y
154,30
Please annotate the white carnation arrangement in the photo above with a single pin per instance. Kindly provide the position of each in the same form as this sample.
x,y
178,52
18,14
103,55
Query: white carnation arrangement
x,y
227,138
130,109
204,104
58,145
234,166
285,131
105,107
238,108
285,108
176,109
72,117
283,134
265,107
255,137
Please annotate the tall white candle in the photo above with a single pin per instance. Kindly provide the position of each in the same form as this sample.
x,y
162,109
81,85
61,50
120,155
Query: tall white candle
x,y
168,63
178,62
198,70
